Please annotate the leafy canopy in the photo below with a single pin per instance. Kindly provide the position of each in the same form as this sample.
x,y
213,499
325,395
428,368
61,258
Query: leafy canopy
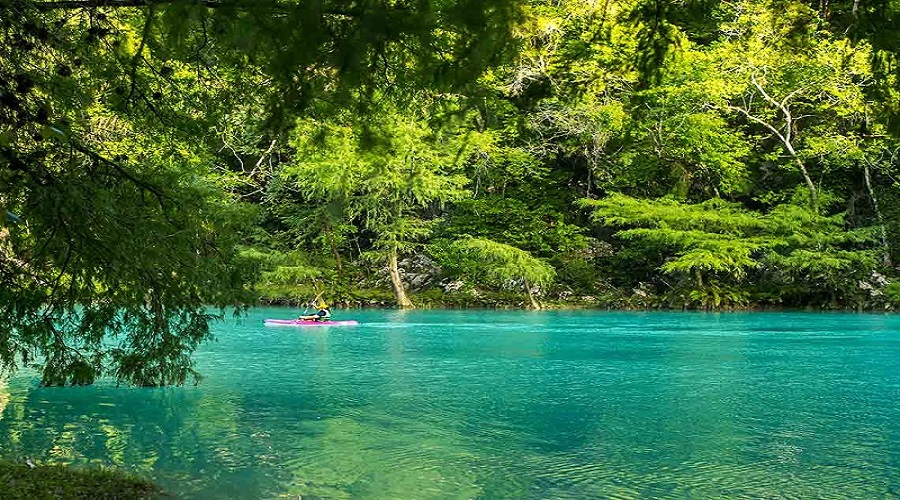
x,y
112,124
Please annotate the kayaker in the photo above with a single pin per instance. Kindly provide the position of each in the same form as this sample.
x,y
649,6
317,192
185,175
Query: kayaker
x,y
323,314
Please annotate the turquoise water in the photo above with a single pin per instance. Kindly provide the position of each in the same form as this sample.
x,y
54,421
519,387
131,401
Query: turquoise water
x,y
462,404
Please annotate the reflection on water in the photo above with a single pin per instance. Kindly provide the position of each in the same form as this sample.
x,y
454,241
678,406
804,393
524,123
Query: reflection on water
x,y
438,404
4,397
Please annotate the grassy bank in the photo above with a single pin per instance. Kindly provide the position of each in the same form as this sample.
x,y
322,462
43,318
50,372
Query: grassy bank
x,y
19,481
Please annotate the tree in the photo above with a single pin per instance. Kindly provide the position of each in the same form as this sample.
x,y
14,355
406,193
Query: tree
x,y
385,170
285,274
502,265
716,243
96,258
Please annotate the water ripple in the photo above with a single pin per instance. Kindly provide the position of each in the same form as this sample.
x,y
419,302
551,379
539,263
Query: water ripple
x,y
502,404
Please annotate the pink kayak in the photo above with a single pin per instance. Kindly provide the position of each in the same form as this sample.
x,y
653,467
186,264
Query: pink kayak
x,y
301,322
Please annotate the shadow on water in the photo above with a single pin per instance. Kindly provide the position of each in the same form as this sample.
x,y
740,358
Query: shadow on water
x,y
431,404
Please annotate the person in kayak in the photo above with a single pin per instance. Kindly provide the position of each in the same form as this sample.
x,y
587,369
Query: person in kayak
x,y
323,314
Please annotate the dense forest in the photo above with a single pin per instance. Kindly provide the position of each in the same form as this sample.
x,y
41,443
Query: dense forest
x,y
749,163
159,157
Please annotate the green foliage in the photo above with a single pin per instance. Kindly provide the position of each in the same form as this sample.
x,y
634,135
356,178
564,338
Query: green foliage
x,y
131,132
676,146
542,230
715,296
499,264
21,482
139,261
286,269
717,244
893,294
141,143
381,169
755,165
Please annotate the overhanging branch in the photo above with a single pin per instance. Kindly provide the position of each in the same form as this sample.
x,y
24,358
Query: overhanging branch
x,y
212,4
114,4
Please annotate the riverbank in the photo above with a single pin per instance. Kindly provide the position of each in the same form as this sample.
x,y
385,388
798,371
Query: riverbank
x,y
21,481
637,299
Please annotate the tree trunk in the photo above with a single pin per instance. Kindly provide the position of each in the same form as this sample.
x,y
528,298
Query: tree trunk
x,y
534,303
334,250
813,192
402,300
886,257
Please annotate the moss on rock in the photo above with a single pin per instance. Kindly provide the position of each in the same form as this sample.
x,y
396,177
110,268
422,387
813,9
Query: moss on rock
x,y
22,481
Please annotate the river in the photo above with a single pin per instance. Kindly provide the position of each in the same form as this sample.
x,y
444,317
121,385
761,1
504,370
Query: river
x,y
500,404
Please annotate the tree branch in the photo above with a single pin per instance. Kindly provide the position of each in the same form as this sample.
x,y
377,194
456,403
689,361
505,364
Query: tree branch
x,y
759,121
115,4
137,55
157,192
785,136
266,153
886,256
44,6
788,97
765,94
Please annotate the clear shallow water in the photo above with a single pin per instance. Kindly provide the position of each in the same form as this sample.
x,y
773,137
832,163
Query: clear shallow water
x,y
463,404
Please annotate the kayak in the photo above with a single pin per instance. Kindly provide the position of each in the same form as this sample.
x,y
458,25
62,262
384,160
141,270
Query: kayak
x,y
302,322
